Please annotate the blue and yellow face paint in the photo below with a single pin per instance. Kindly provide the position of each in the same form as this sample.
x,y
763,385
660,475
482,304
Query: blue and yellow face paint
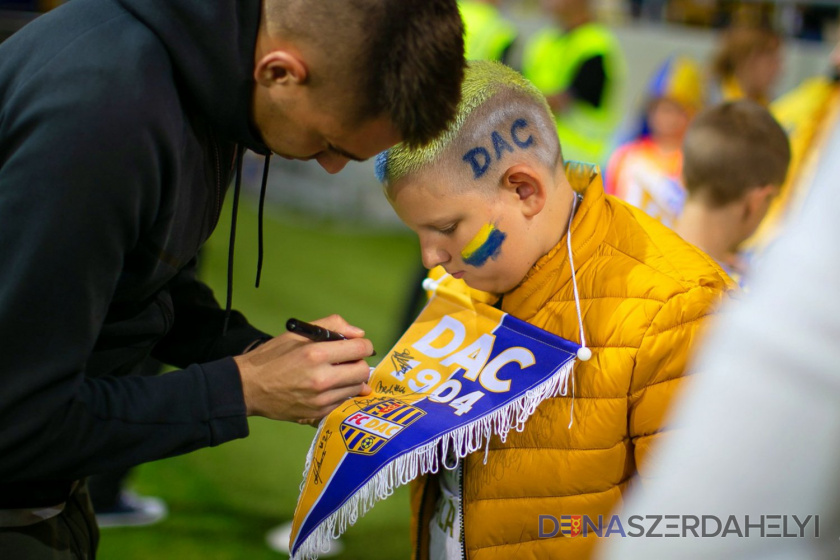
x,y
487,244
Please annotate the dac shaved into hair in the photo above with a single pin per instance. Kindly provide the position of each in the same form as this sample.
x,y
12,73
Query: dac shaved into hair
x,y
500,112
732,148
398,58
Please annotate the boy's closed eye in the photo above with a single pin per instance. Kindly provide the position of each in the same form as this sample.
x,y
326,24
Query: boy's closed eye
x,y
446,226
449,229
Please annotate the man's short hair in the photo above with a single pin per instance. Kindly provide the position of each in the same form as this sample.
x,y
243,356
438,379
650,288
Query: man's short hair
x,y
732,148
398,58
500,111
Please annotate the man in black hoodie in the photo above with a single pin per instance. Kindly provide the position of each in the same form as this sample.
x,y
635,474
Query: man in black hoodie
x,y
121,124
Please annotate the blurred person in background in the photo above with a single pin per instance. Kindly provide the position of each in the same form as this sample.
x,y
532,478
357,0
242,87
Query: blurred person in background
x,y
578,65
736,159
808,113
123,121
647,171
488,35
761,422
746,64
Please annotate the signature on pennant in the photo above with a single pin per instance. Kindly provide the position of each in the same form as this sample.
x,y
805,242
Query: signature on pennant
x,y
403,363
322,451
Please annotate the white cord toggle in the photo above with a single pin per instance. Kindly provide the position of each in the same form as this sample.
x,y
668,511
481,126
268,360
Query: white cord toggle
x,y
431,285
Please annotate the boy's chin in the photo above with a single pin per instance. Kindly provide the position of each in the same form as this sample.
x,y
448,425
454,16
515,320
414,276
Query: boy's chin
x,y
493,286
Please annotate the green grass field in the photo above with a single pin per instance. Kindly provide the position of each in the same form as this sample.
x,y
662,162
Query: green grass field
x,y
223,500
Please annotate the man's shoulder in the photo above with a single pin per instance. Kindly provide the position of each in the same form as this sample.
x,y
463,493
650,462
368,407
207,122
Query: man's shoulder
x,y
106,69
98,102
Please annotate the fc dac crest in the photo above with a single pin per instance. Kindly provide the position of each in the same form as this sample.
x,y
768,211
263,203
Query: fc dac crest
x,y
366,431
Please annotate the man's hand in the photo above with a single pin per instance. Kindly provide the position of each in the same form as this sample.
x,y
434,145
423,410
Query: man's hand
x,y
291,378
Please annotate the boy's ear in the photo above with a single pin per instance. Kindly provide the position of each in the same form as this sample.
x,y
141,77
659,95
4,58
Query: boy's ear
x,y
758,200
529,188
280,67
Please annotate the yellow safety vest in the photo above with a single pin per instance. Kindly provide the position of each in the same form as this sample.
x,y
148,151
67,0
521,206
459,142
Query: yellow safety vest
x,y
487,33
551,60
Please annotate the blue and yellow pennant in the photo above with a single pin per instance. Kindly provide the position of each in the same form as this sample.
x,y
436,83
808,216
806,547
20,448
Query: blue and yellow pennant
x,y
463,371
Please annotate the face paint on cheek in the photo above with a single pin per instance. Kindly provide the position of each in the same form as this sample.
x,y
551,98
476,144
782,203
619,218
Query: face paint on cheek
x,y
487,244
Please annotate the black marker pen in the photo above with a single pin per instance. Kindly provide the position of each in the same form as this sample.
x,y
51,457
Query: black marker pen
x,y
314,332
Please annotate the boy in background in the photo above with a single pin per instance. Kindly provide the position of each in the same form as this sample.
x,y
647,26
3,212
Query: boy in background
x,y
736,159
500,217
746,65
646,171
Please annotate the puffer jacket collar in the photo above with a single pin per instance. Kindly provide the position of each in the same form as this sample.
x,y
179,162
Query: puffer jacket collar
x,y
551,272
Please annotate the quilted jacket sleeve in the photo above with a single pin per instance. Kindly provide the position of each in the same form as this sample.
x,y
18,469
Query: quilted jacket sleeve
x,y
660,369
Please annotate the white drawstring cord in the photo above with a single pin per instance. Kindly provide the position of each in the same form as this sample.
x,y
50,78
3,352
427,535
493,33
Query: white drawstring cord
x,y
583,353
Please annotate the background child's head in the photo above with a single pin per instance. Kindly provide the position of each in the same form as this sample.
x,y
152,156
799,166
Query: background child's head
x,y
675,95
486,197
752,55
736,156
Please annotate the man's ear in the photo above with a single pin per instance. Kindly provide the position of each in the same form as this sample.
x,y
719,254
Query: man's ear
x,y
523,182
280,68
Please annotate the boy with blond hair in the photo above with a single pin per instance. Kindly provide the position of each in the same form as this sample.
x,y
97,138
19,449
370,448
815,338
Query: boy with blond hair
x,y
501,218
736,159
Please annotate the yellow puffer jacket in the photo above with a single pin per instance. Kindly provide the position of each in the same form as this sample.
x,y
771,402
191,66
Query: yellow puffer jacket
x,y
644,293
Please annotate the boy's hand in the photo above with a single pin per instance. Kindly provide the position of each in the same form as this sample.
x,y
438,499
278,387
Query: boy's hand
x,y
291,378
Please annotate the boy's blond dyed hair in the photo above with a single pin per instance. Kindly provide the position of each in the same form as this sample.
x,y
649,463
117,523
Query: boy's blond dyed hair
x,y
483,81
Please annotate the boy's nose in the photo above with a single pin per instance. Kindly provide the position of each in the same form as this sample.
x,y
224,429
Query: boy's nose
x,y
434,256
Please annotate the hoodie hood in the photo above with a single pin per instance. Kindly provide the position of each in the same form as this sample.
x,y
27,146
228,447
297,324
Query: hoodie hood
x,y
211,45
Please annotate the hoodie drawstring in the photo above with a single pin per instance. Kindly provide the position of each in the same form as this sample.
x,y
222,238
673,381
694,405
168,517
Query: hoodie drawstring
x,y
260,220
583,353
236,188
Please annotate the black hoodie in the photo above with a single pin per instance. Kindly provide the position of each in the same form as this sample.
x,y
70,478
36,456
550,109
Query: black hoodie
x,y
118,126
